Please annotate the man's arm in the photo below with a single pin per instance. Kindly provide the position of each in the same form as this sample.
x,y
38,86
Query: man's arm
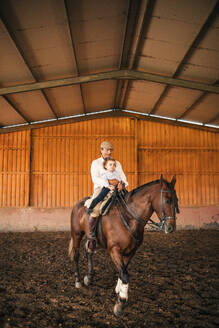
x,y
121,173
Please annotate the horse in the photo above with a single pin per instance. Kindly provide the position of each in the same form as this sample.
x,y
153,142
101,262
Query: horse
x,y
121,230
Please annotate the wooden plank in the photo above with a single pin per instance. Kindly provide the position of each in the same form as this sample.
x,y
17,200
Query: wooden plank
x,y
14,169
1,168
62,166
45,168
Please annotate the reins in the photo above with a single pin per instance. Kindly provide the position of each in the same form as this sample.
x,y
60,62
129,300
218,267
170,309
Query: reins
x,y
160,225
124,220
121,201
134,216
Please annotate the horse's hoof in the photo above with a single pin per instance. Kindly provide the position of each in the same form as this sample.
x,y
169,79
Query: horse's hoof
x,y
78,284
87,281
118,311
168,229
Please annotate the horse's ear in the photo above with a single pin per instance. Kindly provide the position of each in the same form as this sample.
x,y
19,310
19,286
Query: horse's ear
x,y
161,180
173,181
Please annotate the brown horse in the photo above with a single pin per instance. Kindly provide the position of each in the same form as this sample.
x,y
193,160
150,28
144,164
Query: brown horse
x,y
121,231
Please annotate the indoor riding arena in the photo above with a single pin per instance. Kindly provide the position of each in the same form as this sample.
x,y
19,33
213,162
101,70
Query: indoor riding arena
x,y
142,75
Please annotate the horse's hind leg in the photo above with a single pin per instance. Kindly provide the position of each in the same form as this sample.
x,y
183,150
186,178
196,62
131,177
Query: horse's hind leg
x,y
74,253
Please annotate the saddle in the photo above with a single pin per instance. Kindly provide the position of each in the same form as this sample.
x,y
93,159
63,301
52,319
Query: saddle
x,y
100,208
103,207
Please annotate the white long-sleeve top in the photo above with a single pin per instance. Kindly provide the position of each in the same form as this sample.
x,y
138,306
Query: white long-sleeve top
x,y
98,172
106,175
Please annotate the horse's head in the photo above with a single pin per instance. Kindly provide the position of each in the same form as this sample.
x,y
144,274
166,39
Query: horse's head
x,y
166,204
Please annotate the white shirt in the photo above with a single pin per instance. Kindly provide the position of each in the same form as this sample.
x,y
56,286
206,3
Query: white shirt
x,y
97,172
106,175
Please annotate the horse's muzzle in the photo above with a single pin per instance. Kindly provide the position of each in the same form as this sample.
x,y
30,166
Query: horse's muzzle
x,y
169,228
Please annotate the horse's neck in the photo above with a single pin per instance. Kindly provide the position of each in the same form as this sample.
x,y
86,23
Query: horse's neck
x,y
140,204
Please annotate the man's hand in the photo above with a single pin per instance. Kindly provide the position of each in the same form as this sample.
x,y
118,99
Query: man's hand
x,y
120,186
113,182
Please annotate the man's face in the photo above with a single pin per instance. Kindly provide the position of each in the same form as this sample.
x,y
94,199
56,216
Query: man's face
x,y
106,152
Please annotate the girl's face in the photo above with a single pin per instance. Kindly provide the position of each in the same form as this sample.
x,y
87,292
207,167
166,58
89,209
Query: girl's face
x,y
110,166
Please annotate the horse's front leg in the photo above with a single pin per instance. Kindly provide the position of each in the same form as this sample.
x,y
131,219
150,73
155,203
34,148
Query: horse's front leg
x,y
122,283
122,292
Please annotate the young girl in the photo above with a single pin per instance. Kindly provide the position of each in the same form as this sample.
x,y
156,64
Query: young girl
x,y
112,179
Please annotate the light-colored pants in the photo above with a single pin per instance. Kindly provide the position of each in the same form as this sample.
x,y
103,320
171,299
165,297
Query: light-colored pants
x,y
97,209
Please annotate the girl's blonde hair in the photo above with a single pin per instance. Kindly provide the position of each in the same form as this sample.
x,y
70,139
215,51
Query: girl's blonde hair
x,y
106,160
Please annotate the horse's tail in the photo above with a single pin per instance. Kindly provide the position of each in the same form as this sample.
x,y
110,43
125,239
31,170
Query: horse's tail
x,y
70,249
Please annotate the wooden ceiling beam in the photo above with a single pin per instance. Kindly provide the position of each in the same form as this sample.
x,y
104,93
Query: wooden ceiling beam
x,y
144,17
21,52
136,75
131,22
192,106
74,50
16,109
196,102
212,120
113,75
211,16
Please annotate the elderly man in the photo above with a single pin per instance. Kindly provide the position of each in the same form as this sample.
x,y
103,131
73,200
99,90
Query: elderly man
x,y
106,149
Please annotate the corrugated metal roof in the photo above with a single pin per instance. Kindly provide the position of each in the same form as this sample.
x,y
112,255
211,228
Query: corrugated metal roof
x,y
54,40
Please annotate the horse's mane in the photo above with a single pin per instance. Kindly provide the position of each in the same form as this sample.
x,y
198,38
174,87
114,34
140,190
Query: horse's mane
x,y
132,192
169,185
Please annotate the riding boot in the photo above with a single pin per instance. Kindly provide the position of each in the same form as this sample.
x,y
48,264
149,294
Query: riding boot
x,y
91,240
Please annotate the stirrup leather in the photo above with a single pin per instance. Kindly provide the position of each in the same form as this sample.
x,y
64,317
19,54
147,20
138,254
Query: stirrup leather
x,y
91,240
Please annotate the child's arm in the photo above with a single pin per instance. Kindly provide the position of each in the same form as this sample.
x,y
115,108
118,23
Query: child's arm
x,y
113,182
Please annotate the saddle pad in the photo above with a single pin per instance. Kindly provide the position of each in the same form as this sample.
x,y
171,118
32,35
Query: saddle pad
x,y
98,208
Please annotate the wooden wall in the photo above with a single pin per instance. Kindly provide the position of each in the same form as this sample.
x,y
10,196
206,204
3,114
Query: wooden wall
x,y
14,169
58,173
191,154
62,155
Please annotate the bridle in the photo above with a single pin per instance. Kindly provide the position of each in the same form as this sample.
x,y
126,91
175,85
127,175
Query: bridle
x,y
164,218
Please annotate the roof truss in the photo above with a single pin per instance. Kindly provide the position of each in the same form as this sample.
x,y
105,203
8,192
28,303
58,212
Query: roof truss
x,y
113,75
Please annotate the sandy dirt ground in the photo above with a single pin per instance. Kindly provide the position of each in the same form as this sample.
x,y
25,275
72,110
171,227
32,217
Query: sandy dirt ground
x,y
173,283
